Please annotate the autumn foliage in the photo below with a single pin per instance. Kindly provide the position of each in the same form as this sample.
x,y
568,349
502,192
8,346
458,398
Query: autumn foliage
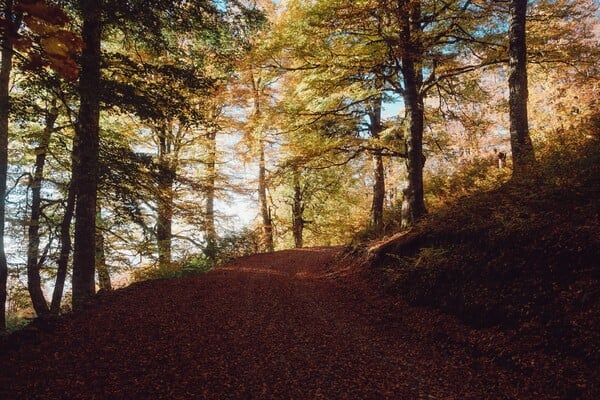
x,y
48,40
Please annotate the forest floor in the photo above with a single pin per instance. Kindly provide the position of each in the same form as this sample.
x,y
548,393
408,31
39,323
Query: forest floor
x,y
295,324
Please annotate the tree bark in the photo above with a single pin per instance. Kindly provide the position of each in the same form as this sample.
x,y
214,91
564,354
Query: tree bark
x,y
210,226
34,284
65,249
104,282
378,172
297,212
86,178
5,70
267,223
166,179
522,148
378,194
413,202
265,212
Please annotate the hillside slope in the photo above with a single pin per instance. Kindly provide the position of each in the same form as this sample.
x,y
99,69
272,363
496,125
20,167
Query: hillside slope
x,y
520,265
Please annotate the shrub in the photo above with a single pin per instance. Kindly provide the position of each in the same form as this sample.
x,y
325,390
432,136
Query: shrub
x,y
192,265
238,244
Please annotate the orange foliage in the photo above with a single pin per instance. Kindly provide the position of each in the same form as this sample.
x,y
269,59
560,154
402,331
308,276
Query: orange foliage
x,y
46,41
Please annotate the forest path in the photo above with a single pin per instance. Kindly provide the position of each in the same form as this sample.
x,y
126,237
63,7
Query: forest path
x,y
285,325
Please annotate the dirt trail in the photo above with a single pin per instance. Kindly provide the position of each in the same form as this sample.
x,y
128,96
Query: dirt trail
x,y
271,326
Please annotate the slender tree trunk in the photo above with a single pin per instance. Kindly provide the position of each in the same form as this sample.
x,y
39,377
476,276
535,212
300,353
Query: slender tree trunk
x,y
378,194
34,283
65,249
104,282
413,202
265,212
210,228
86,178
5,70
267,223
378,172
522,148
164,223
297,212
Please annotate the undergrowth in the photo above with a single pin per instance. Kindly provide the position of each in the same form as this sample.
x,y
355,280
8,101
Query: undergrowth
x,y
523,254
188,267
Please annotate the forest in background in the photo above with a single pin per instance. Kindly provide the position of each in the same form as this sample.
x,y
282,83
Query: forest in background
x,y
132,134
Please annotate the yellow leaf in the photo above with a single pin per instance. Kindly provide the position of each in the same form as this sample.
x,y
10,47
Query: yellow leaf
x,y
54,46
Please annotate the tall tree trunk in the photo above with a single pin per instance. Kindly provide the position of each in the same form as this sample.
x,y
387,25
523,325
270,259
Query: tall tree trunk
x,y
413,203
267,223
210,226
34,283
5,70
265,212
104,282
86,178
164,217
65,248
378,172
522,149
297,212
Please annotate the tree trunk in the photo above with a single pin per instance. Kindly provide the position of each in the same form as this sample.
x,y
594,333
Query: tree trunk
x,y
34,284
5,70
86,178
210,227
378,194
267,223
378,172
164,223
522,149
297,212
104,282
413,202
65,249
265,212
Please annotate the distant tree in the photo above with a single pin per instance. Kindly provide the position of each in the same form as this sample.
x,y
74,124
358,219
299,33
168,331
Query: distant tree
x,y
254,86
563,74
378,198
42,124
317,205
33,257
319,194
298,206
45,42
62,262
211,179
413,49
